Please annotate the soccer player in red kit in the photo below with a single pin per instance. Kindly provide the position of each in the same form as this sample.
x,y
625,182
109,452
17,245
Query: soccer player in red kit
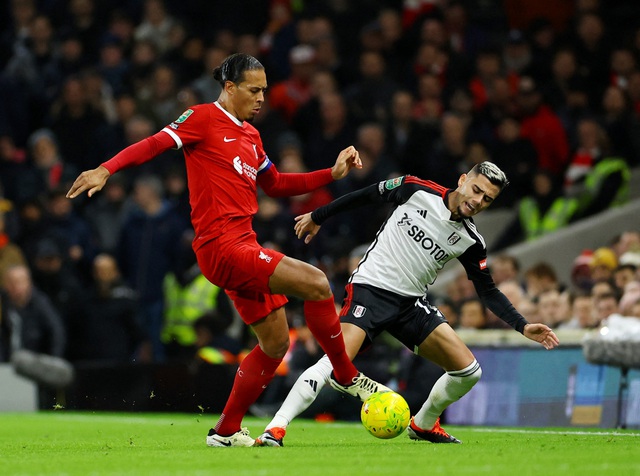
x,y
225,163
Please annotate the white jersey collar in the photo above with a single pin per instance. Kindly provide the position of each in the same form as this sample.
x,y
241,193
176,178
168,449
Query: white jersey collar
x,y
233,118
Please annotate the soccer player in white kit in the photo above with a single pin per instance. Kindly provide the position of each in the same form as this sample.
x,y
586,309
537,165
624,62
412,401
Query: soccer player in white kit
x,y
430,226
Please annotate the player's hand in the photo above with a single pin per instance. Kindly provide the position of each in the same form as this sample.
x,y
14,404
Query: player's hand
x,y
347,159
92,180
542,334
305,226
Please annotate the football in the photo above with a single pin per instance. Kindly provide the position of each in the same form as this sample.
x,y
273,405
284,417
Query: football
x,y
385,414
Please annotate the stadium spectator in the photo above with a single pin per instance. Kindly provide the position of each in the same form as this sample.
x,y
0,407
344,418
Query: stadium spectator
x,y
369,98
69,230
219,235
289,95
407,139
473,314
544,43
48,169
504,267
582,312
446,157
207,88
429,105
623,274
621,125
82,131
335,131
31,322
114,66
106,214
516,55
592,53
147,251
517,157
108,331
161,104
156,25
602,287
540,277
390,274
564,71
606,305
542,127
603,262
554,308
488,68
60,282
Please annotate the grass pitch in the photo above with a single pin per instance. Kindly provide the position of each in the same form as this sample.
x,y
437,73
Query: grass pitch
x,y
73,443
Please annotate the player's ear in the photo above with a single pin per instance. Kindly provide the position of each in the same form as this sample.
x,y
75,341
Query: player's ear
x,y
461,180
229,87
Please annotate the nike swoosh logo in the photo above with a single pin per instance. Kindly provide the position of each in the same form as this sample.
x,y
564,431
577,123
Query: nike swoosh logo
x,y
227,443
337,335
228,140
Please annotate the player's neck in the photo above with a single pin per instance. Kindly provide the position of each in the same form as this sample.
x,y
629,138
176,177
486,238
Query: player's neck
x,y
224,105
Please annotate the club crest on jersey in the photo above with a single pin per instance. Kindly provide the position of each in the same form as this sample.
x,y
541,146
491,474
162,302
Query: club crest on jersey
x,y
183,117
265,257
453,238
483,264
359,311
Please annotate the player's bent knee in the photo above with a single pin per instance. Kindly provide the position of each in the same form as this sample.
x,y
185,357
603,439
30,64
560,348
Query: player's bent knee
x,y
276,349
319,287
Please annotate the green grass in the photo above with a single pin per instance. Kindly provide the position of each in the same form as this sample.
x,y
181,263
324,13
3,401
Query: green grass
x,y
73,443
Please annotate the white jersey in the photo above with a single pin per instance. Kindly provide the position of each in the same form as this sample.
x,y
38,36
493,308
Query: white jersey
x,y
417,240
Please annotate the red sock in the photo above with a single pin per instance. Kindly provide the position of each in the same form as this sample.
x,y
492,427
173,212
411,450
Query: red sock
x,y
254,374
324,324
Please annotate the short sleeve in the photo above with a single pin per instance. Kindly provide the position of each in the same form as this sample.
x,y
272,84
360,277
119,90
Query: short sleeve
x,y
190,127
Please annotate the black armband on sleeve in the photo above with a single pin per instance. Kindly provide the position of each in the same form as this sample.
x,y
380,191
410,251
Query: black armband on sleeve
x,y
352,200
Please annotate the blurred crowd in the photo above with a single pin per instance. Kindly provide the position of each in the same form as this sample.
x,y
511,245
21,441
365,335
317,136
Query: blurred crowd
x,y
428,88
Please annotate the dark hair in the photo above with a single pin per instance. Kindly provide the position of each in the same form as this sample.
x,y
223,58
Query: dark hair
x,y
490,170
233,68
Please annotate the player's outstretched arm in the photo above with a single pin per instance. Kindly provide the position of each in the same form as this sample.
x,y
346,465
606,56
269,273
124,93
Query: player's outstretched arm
x,y
348,159
305,226
543,334
91,180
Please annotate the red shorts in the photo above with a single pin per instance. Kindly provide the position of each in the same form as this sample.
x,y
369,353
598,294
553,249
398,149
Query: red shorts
x,y
239,265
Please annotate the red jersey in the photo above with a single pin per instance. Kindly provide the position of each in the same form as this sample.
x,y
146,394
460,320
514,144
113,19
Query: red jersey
x,y
225,162
223,158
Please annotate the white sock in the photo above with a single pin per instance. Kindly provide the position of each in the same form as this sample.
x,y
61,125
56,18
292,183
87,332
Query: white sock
x,y
303,393
449,388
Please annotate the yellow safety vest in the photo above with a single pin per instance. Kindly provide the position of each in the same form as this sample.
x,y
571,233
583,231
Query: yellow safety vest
x,y
535,225
598,175
183,305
